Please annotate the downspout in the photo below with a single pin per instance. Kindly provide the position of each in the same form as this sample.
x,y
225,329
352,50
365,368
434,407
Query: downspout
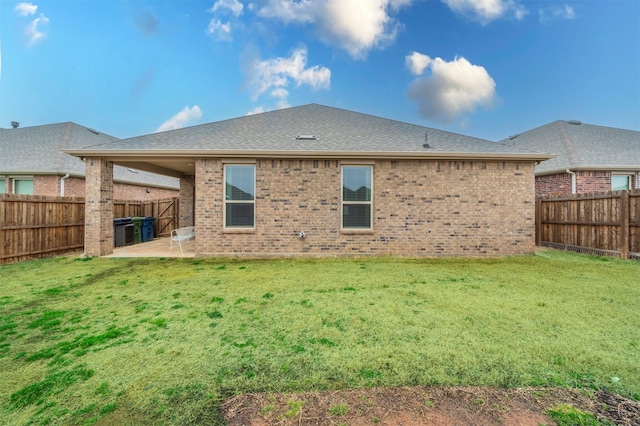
x,y
62,184
573,180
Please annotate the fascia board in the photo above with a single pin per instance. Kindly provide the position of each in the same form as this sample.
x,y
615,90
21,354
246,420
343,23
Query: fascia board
x,y
393,155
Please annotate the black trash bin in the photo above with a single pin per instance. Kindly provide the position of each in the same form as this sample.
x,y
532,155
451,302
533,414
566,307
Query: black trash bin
x,y
147,229
122,231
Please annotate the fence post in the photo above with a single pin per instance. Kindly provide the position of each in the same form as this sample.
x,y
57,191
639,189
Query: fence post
x,y
624,225
538,221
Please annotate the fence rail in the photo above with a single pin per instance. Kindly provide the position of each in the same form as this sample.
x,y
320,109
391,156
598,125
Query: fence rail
x,y
601,223
38,226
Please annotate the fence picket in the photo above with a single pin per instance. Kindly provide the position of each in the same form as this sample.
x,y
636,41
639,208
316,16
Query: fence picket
x,y
40,226
600,223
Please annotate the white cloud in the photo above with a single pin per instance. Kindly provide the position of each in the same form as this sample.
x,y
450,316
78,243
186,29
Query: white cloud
x,y
556,12
417,62
353,25
486,11
25,9
181,119
219,31
33,32
275,75
216,28
451,89
232,6
256,110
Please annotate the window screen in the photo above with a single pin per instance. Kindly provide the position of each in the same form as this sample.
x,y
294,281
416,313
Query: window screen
x,y
356,196
239,196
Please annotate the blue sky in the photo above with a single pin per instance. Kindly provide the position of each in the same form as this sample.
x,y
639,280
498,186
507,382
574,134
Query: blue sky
x,y
485,68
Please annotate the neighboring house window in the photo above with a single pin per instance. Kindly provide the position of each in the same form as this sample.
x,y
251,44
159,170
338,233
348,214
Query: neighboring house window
x,y
2,186
239,196
356,197
23,186
620,182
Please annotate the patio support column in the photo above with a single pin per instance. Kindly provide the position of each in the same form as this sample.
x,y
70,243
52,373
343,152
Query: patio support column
x,y
98,222
187,200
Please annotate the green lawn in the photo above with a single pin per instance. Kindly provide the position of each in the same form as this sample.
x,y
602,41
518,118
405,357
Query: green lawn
x,y
166,340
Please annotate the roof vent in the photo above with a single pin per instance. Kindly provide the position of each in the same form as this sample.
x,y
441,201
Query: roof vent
x,y
426,146
306,137
576,122
15,124
95,132
514,136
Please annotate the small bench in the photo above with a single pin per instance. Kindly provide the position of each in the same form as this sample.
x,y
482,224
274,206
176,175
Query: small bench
x,y
180,236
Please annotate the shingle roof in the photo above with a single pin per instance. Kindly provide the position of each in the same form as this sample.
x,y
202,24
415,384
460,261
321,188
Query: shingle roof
x,y
581,146
336,130
37,150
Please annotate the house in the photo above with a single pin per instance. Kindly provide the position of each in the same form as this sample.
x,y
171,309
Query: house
x,y
315,180
589,158
32,162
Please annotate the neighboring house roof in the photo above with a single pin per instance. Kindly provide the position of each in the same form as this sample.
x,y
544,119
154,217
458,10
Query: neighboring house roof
x,y
38,150
308,131
581,146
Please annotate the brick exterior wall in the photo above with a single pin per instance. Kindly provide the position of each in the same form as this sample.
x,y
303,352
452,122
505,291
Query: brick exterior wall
x,y
187,188
420,209
556,184
98,222
586,182
49,185
123,191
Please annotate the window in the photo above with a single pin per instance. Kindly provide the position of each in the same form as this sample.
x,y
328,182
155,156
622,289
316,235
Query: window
x,y
620,182
2,186
356,197
23,186
239,196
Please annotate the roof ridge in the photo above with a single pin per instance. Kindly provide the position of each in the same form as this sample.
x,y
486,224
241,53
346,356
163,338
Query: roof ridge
x,y
573,155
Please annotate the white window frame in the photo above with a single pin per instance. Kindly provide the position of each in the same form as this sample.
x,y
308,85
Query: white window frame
x,y
226,201
347,203
22,179
626,175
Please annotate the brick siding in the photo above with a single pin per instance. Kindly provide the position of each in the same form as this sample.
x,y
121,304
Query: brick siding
x,y
556,184
98,218
586,182
74,187
420,209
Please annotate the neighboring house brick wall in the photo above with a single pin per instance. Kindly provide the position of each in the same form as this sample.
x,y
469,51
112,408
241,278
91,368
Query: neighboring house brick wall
x,y
586,182
420,209
50,185
556,184
139,193
593,181
74,187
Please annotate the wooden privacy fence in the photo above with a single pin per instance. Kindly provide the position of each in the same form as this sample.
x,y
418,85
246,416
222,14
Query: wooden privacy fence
x,y
164,211
37,226
603,223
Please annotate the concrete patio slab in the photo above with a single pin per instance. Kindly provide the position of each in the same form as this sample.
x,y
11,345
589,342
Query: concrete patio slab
x,y
156,248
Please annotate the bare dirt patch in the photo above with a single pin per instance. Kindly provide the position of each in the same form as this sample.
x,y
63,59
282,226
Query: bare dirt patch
x,y
439,406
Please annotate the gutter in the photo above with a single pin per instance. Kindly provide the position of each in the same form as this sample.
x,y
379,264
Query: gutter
x,y
573,180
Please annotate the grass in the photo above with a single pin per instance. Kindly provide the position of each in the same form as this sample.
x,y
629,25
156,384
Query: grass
x,y
150,341
568,415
